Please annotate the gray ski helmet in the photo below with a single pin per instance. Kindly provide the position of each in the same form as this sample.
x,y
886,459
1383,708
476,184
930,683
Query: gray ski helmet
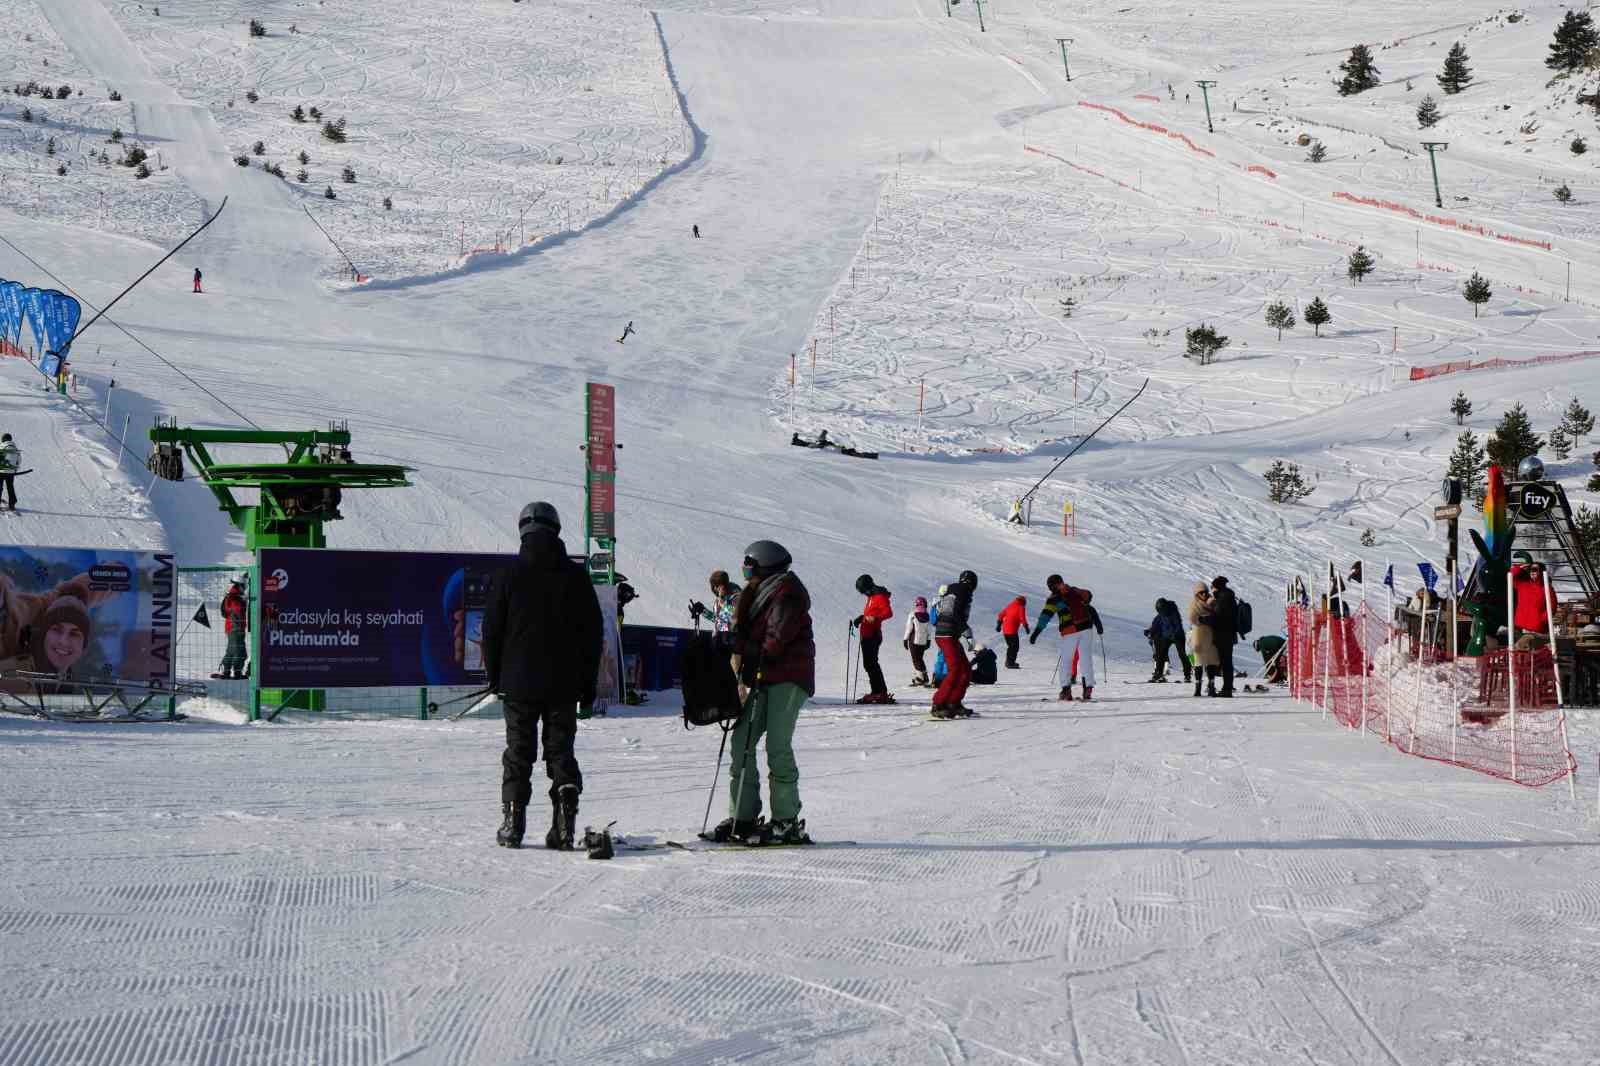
x,y
865,584
767,557
539,513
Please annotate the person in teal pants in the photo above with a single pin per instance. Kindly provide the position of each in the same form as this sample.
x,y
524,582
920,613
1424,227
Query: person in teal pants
x,y
777,660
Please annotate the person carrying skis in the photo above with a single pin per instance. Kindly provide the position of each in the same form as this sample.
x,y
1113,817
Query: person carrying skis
x,y
1008,623
919,634
10,460
955,606
1166,633
1224,616
236,625
1074,620
869,624
542,642
776,656
196,279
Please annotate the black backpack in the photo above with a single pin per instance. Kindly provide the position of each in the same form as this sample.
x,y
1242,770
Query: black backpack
x,y
710,691
1242,618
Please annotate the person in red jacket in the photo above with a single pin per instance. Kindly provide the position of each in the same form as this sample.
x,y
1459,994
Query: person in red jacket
x,y
1008,623
1532,612
235,623
870,624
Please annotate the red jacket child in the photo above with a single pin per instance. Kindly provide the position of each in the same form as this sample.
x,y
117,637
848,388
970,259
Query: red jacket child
x,y
1014,617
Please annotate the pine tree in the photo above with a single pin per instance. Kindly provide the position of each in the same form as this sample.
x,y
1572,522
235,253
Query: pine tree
x,y
1456,74
1428,112
1594,479
1469,465
298,114
1575,38
1578,421
1360,265
1563,194
1578,146
1280,317
1461,407
1368,538
1560,442
1318,153
1317,315
1513,440
1359,72
1476,292
1204,341
1285,483
1587,521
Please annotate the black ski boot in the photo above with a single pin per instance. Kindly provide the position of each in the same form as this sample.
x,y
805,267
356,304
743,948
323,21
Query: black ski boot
x,y
728,829
784,832
1211,687
513,826
563,818
1197,681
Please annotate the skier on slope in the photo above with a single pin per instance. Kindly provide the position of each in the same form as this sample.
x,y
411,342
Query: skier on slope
x,y
1074,620
955,606
235,625
196,279
1008,623
776,658
919,634
542,643
869,623
10,460
1166,633
627,331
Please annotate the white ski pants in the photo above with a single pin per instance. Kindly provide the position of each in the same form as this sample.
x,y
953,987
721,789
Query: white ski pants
x,y
1077,658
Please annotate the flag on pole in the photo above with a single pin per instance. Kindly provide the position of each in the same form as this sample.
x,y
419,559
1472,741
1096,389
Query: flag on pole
x,y
200,617
1388,576
1430,576
1461,586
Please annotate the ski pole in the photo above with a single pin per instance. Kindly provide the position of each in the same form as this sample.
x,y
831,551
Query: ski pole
x,y
749,743
848,640
1105,667
855,685
712,795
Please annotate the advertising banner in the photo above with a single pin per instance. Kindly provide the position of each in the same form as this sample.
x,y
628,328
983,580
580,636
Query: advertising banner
x,y
11,310
600,406
61,315
33,301
85,614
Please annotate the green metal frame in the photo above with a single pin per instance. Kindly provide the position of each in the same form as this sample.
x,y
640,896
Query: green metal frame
x,y
1205,94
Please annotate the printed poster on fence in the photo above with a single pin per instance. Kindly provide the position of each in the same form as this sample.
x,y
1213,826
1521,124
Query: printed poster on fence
x,y
85,615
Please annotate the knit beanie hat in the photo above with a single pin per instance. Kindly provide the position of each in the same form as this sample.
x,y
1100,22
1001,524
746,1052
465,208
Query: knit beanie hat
x,y
68,609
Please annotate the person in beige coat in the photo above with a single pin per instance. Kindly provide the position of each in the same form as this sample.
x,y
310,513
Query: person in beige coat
x,y
1202,642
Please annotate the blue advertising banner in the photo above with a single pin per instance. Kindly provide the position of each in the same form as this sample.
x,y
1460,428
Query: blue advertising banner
x,y
11,310
33,307
373,619
61,314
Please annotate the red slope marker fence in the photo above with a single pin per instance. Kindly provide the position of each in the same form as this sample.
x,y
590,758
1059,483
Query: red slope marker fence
x,y
1151,126
1441,220
1422,373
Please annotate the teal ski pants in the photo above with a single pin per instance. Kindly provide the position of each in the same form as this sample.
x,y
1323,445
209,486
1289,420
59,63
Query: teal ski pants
x,y
773,710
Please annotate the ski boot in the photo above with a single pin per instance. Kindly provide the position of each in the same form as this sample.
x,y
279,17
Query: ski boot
x,y
944,711
784,831
728,829
563,818
962,710
1066,694
513,826
1088,692
1211,688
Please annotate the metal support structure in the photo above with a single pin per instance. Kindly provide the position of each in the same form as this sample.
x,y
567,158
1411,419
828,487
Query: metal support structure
x,y
979,4
1063,42
1205,95
1432,147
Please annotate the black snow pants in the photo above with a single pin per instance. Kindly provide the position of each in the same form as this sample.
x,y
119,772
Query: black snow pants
x,y
522,748
918,662
1225,667
869,661
1013,645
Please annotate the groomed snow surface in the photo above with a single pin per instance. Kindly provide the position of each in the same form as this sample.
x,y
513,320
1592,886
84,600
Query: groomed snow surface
x,y
1147,879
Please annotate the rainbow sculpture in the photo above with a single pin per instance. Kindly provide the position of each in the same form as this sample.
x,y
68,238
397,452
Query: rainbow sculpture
x,y
1488,606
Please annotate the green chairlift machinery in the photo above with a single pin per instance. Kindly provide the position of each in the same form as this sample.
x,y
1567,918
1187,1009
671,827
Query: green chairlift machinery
x,y
294,497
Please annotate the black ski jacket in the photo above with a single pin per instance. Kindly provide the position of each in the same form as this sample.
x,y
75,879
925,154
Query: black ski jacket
x,y
542,636
955,608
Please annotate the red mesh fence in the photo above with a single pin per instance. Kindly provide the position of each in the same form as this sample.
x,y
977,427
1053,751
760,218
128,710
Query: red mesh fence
x,y
1420,373
1151,126
1440,220
1408,691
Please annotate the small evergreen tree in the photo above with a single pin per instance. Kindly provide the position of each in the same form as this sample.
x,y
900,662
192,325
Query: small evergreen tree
x,y
252,96
329,194
1428,113
1317,315
27,114
1368,538
135,156
1575,38
1560,442
304,158
298,114
1476,291
301,176
1280,317
316,114
116,135
1318,153
1456,75
1470,466
1513,439
1578,421
1360,264
242,160
348,174
333,131
141,171
1578,146
1359,72
115,96
1461,407
1285,483
1563,194
1204,341
257,29
50,146
1594,479
1587,521
259,148
388,204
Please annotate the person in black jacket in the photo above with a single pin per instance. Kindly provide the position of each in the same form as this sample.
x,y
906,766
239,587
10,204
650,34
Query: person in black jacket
x,y
542,643
1223,620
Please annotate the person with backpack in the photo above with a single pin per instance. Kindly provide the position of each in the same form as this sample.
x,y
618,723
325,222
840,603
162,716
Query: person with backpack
x,y
542,644
776,654
236,625
1166,633
919,634
1224,622
955,606
869,626
1008,623
1074,620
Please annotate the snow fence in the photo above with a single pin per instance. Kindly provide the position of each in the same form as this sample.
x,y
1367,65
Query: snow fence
x,y
1406,690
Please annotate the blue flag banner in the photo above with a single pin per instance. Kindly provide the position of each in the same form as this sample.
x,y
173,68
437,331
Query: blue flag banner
x,y
11,310
1461,586
1430,576
1388,576
33,301
61,314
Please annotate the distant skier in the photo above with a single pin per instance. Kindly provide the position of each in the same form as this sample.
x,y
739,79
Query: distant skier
x,y
10,460
1008,623
196,279
1016,513
697,231
869,623
955,606
919,634
235,624
1166,633
542,641
1074,619
627,331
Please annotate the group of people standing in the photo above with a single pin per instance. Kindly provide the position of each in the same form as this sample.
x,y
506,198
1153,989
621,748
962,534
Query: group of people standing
x,y
1207,654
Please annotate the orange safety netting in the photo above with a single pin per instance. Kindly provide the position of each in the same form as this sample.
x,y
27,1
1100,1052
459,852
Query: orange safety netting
x,y
1151,126
1409,692
1420,373
1440,220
